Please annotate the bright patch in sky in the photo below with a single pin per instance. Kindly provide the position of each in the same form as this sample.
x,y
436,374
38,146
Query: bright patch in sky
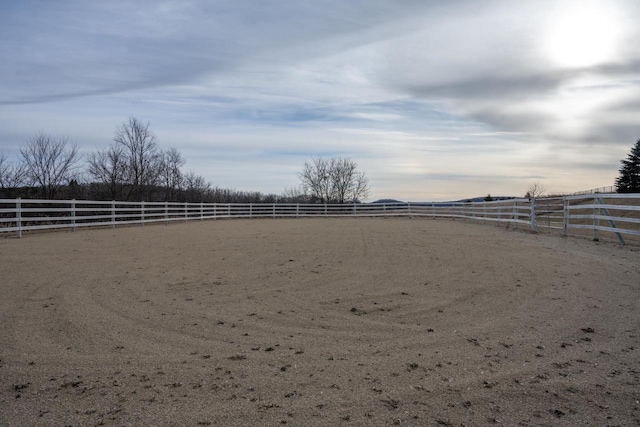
x,y
583,36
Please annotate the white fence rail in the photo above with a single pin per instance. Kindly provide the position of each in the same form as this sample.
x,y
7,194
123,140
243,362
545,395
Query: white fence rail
x,y
594,212
608,189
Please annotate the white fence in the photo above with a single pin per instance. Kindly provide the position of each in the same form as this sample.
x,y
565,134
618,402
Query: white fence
x,y
608,189
595,212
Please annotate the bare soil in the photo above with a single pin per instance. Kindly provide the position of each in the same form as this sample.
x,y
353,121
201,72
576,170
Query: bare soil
x,y
318,322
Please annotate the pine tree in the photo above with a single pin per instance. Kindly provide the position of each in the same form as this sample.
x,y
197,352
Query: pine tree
x,y
629,179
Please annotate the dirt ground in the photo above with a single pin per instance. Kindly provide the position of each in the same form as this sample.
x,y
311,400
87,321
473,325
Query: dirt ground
x,y
318,322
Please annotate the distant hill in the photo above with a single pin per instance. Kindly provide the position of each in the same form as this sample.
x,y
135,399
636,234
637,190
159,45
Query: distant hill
x,y
473,199
481,199
388,201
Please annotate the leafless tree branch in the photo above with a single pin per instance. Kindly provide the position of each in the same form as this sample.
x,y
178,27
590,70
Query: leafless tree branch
x,y
144,157
334,180
49,163
12,175
534,190
110,167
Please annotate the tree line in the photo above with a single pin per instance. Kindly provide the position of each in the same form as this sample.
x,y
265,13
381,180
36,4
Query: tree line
x,y
134,168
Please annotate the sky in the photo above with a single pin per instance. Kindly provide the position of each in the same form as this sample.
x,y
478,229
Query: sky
x,y
434,100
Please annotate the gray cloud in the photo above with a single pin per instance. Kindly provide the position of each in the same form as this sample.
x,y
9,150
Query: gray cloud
x,y
473,177
492,86
82,48
501,103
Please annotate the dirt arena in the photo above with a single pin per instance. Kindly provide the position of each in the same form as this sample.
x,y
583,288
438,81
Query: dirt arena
x,y
318,322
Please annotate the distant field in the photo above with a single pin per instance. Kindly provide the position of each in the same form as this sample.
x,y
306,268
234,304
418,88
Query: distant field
x,y
318,322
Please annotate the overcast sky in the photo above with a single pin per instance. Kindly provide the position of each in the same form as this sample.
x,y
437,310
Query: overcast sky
x,y
434,100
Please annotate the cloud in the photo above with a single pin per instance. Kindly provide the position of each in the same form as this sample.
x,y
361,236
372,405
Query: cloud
x,y
415,91
491,66
548,105
79,48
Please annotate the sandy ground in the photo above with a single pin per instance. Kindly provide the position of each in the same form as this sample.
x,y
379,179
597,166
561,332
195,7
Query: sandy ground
x,y
318,322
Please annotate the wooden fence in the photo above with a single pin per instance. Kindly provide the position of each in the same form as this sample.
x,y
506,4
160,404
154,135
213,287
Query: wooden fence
x,y
616,214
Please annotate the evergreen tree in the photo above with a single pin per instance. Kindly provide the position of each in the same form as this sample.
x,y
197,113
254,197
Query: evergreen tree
x,y
629,179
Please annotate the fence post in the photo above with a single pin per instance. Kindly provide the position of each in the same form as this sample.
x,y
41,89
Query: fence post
x,y
297,210
274,210
166,213
201,211
596,221
250,210
532,215
325,209
229,210
484,212
515,217
409,205
19,217
186,211
73,215
215,210
113,214
355,209
565,219
142,213
433,210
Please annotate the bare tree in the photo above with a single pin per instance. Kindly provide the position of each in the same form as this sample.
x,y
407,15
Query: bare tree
x,y
110,167
48,162
316,180
295,195
335,180
144,159
196,187
171,176
349,184
12,175
534,190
